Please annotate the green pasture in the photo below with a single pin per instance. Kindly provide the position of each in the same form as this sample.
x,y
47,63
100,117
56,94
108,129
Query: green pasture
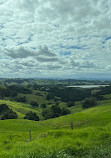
x,y
54,138
21,109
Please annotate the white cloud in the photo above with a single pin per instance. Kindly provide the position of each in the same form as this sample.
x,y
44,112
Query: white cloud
x,y
55,37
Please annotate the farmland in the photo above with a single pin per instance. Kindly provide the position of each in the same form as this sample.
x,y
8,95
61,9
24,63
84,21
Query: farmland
x,y
83,133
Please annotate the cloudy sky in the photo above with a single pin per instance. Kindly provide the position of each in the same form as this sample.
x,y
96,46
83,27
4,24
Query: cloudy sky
x,y
55,38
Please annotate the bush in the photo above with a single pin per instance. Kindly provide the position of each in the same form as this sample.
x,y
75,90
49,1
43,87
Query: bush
x,y
31,116
3,108
38,94
34,104
64,111
43,106
89,102
99,97
21,99
54,111
9,115
6,112
50,96
47,114
70,104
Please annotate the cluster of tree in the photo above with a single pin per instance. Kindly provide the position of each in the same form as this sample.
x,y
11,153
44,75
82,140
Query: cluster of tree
x,y
99,95
7,113
50,96
40,87
31,116
2,92
105,90
70,104
21,99
43,106
54,111
68,94
34,104
38,94
89,102
19,89
13,91
18,81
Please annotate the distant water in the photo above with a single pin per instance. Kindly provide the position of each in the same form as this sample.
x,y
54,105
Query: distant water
x,y
88,86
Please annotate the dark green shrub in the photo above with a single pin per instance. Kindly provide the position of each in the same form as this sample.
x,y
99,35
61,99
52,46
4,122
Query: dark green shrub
x,y
9,115
43,106
65,111
3,108
21,99
34,104
89,102
70,104
47,114
38,94
54,111
31,116
2,92
6,112
50,96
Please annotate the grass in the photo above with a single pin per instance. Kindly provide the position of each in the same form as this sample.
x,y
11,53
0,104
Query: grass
x,y
21,109
53,138
30,97
65,143
107,96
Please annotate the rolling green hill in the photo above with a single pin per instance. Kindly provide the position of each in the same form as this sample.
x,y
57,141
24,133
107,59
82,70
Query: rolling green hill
x,y
54,138
20,108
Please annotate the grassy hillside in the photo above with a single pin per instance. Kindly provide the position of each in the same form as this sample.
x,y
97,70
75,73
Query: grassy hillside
x,y
22,108
53,138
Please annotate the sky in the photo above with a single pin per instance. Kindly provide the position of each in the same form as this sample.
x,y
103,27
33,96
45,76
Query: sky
x,y
55,39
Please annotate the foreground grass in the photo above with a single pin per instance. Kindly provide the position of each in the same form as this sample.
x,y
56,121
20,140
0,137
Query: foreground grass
x,y
85,142
53,138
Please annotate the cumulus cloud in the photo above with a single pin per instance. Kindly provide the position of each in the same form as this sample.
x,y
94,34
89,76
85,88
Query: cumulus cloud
x,y
20,52
65,37
43,54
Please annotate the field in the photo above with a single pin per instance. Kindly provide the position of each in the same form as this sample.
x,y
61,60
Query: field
x,y
86,134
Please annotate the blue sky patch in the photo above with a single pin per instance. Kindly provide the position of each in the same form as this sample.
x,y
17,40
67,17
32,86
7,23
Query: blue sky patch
x,y
34,48
76,47
65,53
106,39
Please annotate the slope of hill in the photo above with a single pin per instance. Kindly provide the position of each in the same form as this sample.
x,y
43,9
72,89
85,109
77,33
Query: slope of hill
x,y
20,108
54,138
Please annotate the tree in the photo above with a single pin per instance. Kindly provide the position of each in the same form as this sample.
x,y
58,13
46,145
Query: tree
x,y
70,104
89,102
3,108
31,116
2,92
47,114
21,99
43,106
6,112
54,111
65,111
9,115
34,104
50,96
